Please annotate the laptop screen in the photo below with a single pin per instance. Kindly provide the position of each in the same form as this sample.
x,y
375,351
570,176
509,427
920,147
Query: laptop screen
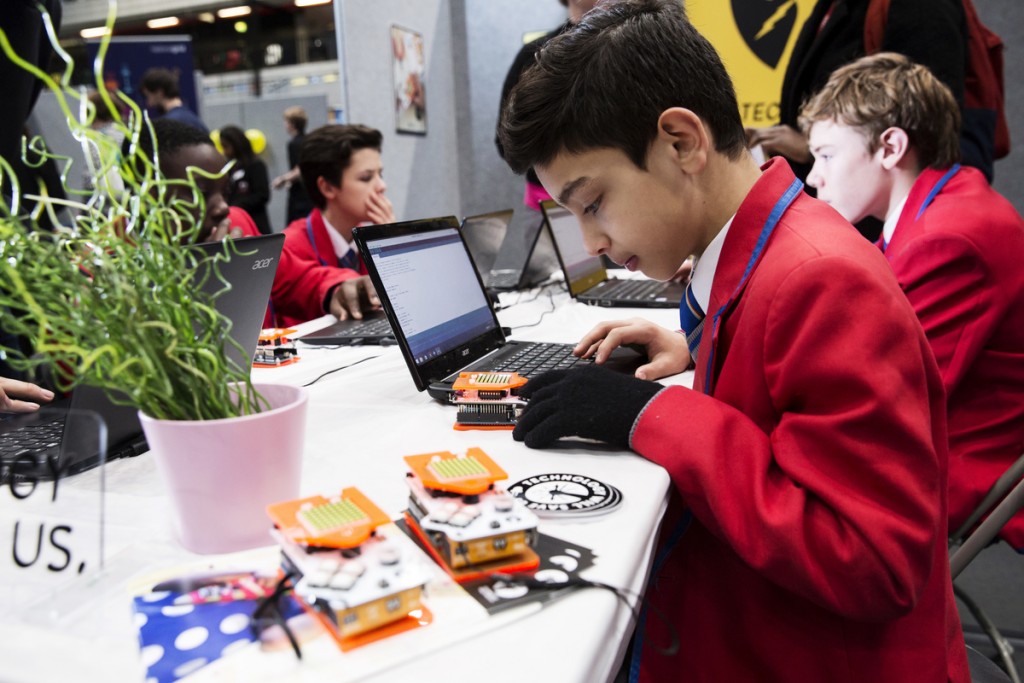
x,y
430,286
484,235
582,271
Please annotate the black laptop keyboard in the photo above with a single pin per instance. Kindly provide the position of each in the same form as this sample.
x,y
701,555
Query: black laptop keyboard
x,y
536,359
41,439
366,328
636,290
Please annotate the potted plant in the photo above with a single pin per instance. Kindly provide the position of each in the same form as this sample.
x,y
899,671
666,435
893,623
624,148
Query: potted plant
x,y
112,297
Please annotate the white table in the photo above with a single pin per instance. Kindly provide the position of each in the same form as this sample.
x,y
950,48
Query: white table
x,y
361,421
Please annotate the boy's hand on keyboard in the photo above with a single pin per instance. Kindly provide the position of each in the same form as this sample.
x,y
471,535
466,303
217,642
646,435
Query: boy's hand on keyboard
x,y
590,402
21,397
352,297
666,350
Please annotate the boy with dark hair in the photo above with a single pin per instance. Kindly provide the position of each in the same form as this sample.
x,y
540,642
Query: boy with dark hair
x,y
160,88
809,460
321,270
181,147
884,134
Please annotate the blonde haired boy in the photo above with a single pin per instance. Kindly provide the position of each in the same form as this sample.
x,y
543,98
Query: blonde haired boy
x,y
884,135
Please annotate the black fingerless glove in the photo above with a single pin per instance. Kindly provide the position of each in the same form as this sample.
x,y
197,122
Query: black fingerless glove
x,y
590,402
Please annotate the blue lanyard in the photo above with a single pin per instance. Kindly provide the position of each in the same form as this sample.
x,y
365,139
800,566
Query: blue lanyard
x,y
937,189
684,523
774,217
312,241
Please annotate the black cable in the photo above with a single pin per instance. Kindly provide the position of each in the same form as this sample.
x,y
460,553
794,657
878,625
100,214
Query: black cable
x,y
551,300
343,367
271,604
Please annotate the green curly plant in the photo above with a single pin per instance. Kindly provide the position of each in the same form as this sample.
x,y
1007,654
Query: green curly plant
x,y
113,298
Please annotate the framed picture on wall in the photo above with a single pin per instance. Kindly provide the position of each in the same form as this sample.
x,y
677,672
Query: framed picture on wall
x,y
408,65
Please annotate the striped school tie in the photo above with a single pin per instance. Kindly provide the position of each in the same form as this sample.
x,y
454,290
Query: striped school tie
x,y
350,260
691,321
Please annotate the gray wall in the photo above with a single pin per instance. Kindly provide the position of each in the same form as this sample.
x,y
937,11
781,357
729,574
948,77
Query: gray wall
x,y
491,32
422,171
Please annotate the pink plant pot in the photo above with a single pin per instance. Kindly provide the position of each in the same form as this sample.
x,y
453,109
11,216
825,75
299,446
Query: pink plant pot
x,y
222,474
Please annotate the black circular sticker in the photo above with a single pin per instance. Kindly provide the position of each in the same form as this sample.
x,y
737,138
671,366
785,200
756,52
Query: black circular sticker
x,y
566,495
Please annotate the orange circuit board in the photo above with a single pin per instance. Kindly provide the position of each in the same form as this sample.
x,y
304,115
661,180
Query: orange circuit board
x,y
343,521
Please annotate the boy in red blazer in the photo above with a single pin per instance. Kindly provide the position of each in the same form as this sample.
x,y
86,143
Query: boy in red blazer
x,y
884,133
321,271
806,539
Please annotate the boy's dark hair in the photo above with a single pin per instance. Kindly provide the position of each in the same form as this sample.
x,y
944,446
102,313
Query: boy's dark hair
x,y
240,145
171,136
605,82
327,152
160,80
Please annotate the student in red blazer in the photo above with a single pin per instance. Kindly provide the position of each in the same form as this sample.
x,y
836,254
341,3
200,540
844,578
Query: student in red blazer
x,y
806,536
321,271
884,134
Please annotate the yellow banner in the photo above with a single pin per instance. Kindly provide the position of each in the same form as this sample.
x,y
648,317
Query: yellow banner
x,y
755,39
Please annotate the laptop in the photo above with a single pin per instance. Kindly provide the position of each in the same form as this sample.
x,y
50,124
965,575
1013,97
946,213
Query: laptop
x,y
373,328
526,256
586,276
484,235
250,271
439,310
61,439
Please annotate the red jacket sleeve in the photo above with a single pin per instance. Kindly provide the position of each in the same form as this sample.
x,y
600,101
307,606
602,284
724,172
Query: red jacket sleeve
x,y
302,284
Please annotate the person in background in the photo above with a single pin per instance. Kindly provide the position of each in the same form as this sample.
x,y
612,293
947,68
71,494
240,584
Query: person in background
x,y
534,193
160,88
883,132
805,538
295,121
321,271
248,184
931,32
103,123
182,147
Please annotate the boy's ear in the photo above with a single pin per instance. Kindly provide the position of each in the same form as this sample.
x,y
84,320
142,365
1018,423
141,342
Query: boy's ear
x,y
894,144
685,132
327,189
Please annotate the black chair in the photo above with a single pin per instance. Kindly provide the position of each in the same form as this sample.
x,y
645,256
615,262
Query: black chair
x,y
1003,501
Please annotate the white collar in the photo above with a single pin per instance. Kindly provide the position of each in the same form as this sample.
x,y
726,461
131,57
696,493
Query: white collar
x,y
892,219
705,265
341,246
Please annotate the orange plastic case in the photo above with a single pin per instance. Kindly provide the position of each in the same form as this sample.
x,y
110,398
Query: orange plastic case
x,y
344,521
275,349
470,526
360,585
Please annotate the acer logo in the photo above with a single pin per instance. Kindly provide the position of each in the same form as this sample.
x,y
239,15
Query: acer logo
x,y
262,263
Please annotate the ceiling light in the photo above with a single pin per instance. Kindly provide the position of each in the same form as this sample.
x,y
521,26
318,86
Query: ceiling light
x,y
164,22
230,12
206,17
94,32
310,3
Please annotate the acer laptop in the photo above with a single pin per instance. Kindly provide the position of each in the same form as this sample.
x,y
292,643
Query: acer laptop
x,y
439,310
62,438
526,256
587,278
250,271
